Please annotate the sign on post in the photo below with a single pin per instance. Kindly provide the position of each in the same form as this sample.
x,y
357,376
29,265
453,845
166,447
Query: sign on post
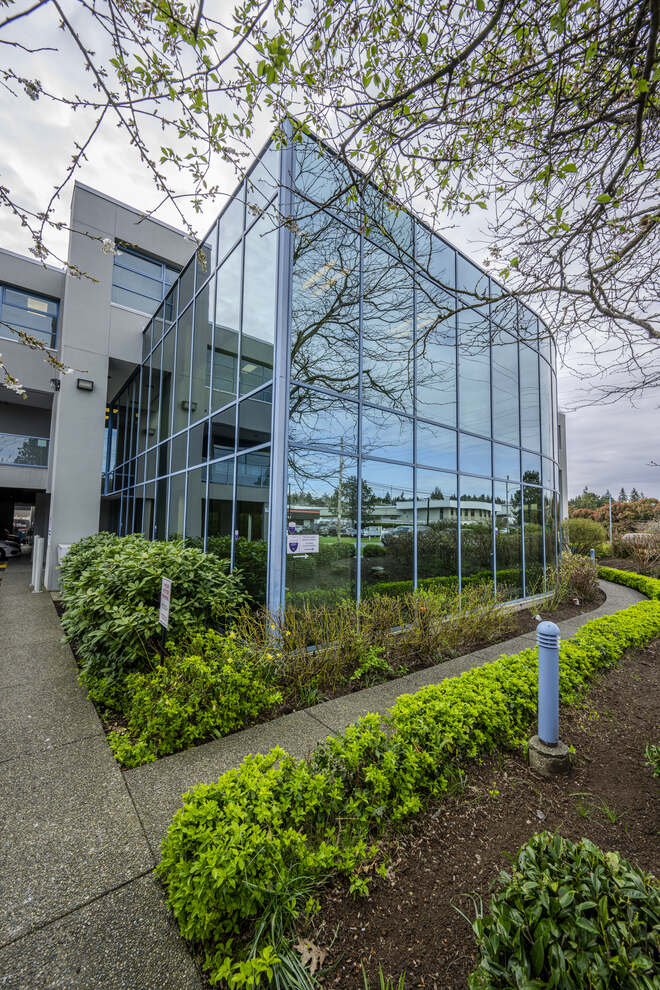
x,y
302,543
165,596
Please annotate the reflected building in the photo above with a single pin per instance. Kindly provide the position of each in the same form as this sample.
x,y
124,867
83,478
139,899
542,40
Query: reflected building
x,y
327,366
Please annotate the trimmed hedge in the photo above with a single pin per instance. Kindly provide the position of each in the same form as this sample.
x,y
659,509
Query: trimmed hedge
x,y
646,585
395,588
236,847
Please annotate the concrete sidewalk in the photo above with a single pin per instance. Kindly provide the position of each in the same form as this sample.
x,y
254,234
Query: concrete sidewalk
x,y
79,906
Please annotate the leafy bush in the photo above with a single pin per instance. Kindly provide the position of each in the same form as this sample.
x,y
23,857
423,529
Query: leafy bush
x,y
576,577
570,916
646,585
80,556
251,559
112,605
236,843
583,534
374,550
204,689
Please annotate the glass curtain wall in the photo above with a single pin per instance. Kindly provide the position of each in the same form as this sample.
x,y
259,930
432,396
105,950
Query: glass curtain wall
x,y
420,418
420,401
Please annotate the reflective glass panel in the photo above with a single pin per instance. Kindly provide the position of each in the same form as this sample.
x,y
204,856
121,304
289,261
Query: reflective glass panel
x,y
160,526
223,429
179,451
254,416
437,528
387,504
508,538
506,424
231,221
187,284
387,329
322,180
474,373
167,375
435,257
474,454
506,462
177,503
263,181
182,380
386,434
219,528
550,529
325,304
436,353
476,530
529,399
436,446
386,225
533,513
546,408
321,501
202,344
196,507
251,521
531,468
323,420
258,331
198,443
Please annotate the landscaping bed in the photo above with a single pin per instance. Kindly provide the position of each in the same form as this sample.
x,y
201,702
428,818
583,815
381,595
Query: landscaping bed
x,y
457,848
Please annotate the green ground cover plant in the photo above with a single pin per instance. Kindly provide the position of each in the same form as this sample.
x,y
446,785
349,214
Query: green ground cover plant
x,y
236,847
569,916
111,590
203,689
646,585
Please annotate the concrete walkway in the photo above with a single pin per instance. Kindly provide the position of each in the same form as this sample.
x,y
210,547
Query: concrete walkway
x,y
79,907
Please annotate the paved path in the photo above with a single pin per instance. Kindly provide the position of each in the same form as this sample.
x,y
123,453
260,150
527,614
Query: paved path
x,y
79,907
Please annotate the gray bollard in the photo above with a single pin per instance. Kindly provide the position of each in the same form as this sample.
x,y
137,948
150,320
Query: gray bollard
x,y
547,754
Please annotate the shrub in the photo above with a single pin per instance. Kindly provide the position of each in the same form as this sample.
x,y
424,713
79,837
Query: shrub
x,y
237,843
583,534
569,916
576,577
204,689
646,585
374,550
112,605
80,556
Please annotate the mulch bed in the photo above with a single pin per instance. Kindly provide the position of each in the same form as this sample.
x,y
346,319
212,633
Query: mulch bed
x,y
456,850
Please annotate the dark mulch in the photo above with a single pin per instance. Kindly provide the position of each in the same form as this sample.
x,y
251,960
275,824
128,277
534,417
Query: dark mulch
x,y
409,923
626,564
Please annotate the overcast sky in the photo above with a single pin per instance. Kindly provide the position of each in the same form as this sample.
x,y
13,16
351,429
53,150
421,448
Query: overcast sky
x,y
608,446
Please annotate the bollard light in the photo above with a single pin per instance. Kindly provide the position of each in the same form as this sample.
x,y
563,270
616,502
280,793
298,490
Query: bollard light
x,y
547,637
548,755
592,554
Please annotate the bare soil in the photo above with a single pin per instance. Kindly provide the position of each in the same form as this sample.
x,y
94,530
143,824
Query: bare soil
x,y
455,851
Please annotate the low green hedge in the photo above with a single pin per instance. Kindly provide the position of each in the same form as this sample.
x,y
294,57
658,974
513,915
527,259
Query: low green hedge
x,y
646,585
395,588
568,915
236,849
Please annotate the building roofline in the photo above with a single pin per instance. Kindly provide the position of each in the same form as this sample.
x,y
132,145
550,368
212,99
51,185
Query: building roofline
x,y
131,209
32,261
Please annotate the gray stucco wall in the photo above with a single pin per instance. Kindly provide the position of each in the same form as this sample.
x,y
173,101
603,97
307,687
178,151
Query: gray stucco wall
x,y
94,332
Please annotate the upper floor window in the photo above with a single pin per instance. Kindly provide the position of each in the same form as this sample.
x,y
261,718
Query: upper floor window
x,y
139,281
35,314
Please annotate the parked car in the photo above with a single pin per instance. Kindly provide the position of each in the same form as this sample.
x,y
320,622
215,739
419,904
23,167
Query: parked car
x,y
396,531
10,549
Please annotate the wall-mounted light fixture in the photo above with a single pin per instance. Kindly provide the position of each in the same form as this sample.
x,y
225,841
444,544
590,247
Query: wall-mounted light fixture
x,y
85,385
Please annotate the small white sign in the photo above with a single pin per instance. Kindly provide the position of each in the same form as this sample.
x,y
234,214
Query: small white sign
x,y
165,597
302,543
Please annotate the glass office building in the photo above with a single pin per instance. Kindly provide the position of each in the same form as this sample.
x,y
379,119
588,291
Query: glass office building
x,y
338,401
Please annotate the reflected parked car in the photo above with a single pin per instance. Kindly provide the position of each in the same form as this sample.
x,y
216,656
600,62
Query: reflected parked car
x,y
10,548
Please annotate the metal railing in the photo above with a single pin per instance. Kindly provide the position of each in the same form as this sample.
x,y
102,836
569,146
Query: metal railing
x,y
23,451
